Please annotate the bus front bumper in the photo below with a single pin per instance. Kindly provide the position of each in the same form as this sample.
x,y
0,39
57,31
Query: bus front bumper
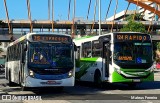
x,y
116,77
32,82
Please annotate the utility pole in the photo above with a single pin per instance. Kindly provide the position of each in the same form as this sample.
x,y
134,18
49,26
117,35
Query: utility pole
x,y
48,9
29,15
99,17
49,12
52,17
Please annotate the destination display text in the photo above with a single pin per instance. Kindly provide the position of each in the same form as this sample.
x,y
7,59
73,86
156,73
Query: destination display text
x,y
132,37
52,38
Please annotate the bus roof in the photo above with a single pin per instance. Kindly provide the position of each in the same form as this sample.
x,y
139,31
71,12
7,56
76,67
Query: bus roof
x,y
50,33
86,38
39,33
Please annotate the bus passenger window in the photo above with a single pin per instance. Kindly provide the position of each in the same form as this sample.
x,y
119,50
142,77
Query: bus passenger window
x,y
96,49
86,48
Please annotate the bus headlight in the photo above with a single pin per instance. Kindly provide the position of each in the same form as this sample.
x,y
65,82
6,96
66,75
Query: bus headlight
x,y
31,73
70,73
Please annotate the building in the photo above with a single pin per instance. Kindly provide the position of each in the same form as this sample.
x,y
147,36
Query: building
x,y
120,16
148,14
5,39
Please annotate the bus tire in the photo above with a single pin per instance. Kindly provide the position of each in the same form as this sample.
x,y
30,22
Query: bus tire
x,y
9,79
97,79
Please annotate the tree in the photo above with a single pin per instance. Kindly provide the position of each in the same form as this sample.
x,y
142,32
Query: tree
x,y
136,17
133,25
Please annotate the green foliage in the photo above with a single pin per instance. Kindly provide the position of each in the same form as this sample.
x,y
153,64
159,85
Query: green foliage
x,y
133,26
137,17
158,45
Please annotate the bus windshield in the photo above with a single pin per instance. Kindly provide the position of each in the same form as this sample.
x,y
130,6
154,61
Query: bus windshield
x,y
133,53
49,55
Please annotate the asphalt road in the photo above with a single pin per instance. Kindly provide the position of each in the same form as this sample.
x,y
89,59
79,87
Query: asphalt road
x,y
148,92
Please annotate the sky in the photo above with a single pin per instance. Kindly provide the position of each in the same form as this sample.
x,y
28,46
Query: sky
x,y
17,9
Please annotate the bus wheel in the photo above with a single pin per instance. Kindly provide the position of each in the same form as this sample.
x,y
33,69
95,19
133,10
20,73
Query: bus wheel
x,y
97,79
9,79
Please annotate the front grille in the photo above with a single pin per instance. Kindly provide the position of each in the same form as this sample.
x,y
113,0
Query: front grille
x,y
51,71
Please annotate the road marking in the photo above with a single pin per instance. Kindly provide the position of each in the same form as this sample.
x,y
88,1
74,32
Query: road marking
x,y
47,101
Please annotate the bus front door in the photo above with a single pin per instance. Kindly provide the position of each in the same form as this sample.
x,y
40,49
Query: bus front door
x,y
106,58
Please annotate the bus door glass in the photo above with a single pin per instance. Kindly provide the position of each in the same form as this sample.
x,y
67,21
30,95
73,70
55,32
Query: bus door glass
x,y
106,56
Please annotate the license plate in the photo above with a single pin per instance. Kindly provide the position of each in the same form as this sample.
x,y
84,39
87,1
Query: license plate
x,y
136,80
51,82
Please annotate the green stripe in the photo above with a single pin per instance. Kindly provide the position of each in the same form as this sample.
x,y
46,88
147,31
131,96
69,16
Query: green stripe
x,y
83,37
132,70
85,63
118,78
138,74
89,59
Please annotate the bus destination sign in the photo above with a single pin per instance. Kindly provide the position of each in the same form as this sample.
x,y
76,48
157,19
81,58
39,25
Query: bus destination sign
x,y
132,37
51,38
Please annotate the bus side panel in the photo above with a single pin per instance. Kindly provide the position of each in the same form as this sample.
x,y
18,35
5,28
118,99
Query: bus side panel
x,y
118,78
88,67
26,74
6,71
14,68
9,70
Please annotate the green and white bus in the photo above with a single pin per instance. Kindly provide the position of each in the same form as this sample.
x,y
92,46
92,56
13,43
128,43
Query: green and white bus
x,y
41,60
123,57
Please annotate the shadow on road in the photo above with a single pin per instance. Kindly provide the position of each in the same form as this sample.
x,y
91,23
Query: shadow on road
x,y
121,86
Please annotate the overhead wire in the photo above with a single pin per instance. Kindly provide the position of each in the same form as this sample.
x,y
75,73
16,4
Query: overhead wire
x,y
152,18
74,11
29,15
69,7
108,9
52,16
9,27
126,11
48,9
135,10
114,15
143,13
89,6
95,6
159,9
